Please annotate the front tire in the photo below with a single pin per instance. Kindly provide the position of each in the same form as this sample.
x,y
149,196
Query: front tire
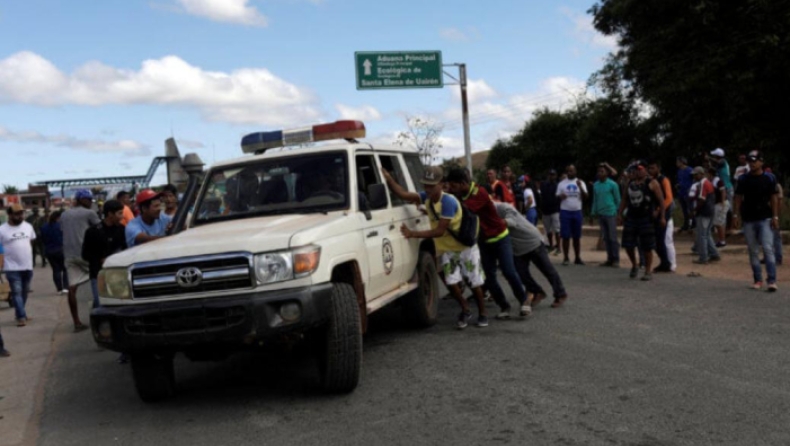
x,y
421,306
340,349
154,376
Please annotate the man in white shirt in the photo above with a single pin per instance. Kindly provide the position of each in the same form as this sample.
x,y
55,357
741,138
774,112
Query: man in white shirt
x,y
572,193
16,237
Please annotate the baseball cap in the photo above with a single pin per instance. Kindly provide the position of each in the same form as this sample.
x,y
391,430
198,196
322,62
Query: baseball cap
x,y
146,195
14,208
699,170
718,152
755,155
83,194
432,175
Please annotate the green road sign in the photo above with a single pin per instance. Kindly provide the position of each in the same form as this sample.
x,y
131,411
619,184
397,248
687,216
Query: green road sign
x,y
398,69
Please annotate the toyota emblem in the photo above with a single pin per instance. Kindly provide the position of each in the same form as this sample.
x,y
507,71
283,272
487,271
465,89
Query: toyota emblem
x,y
189,277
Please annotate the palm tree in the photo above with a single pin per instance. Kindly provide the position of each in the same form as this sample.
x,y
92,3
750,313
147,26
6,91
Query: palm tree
x,y
10,189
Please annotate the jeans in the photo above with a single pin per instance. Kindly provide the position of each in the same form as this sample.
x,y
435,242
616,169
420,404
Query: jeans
x,y
59,276
540,257
95,291
759,235
685,206
501,252
532,216
20,287
705,239
778,246
609,232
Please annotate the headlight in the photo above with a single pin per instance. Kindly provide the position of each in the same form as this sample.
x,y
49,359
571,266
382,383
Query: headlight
x,y
114,283
274,267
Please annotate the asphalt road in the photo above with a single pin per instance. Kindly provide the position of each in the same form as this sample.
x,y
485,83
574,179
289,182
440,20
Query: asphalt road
x,y
678,361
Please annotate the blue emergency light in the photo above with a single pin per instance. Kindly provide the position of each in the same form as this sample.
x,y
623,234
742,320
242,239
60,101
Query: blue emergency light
x,y
259,142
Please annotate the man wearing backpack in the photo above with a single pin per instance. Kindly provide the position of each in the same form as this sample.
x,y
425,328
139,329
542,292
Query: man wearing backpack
x,y
495,243
459,258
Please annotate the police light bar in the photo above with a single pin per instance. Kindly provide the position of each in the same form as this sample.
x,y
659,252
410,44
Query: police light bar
x,y
259,142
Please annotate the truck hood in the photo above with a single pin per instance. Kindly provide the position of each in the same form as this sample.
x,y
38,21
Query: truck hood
x,y
253,235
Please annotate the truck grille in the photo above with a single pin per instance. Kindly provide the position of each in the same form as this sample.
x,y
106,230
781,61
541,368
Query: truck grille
x,y
185,321
190,276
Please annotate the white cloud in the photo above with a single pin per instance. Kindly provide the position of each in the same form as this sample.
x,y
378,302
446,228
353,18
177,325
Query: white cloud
x,y
363,113
476,91
229,11
452,34
245,95
585,31
124,146
189,144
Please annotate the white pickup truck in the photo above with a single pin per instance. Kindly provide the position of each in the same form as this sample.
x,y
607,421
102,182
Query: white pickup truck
x,y
287,242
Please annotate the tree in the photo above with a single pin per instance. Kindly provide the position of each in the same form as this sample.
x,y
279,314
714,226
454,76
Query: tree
x,y
424,135
714,71
10,189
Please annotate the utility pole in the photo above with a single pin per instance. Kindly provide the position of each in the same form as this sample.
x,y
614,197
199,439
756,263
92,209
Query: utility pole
x,y
465,111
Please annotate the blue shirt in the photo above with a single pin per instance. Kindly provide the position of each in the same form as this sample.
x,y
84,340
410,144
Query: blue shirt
x,y
685,180
52,235
138,226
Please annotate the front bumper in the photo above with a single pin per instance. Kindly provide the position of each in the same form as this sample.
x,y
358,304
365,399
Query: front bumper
x,y
188,324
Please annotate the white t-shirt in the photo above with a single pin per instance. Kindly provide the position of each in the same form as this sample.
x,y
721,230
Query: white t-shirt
x,y
573,195
527,194
16,244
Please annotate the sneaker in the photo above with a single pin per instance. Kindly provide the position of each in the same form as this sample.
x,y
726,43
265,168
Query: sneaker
x,y
4,353
482,321
715,259
504,314
647,277
634,272
559,302
757,286
463,320
721,244
526,310
772,288
578,262
606,264
566,262
536,299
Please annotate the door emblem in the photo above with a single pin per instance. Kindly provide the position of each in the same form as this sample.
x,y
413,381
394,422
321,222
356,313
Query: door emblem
x,y
189,277
388,256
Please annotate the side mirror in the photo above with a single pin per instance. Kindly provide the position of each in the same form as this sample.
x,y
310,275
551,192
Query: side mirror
x,y
378,196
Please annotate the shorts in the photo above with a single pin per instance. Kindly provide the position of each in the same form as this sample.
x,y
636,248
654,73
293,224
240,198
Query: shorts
x,y
640,234
551,223
77,270
571,224
720,216
465,264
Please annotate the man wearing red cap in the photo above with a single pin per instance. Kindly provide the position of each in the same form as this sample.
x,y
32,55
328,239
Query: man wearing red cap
x,y
150,225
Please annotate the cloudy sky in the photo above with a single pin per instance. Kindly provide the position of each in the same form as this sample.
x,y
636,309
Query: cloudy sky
x,y
93,88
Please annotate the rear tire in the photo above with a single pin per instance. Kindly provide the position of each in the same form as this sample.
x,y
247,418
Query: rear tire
x,y
154,376
340,347
421,306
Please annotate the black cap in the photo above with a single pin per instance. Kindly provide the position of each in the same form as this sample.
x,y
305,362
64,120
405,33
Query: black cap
x,y
755,155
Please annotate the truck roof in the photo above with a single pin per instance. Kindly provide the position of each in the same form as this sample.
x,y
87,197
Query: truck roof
x,y
297,151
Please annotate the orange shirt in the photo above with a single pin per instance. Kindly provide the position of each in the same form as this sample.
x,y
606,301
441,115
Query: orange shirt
x,y
128,215
666,188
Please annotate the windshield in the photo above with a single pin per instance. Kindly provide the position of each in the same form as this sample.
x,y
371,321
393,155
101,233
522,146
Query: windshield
x,y
288,185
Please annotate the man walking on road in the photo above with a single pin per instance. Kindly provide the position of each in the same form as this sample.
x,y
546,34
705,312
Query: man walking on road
x,y
75,222
102,241
757,205
665,240
644,203
456,260
704,210
685,180
572,192
495,243
528,248
17,237
550,208
606,202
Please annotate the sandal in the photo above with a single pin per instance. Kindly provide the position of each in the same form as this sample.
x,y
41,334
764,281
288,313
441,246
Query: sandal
x,y
80,327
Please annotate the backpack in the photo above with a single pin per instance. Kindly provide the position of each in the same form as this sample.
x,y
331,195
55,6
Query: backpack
x,y
467,232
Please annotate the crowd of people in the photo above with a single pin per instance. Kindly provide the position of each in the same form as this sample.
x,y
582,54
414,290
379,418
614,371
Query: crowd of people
x,y
75,243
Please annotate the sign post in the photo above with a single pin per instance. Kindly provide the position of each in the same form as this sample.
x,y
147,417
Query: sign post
x,y
398,69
